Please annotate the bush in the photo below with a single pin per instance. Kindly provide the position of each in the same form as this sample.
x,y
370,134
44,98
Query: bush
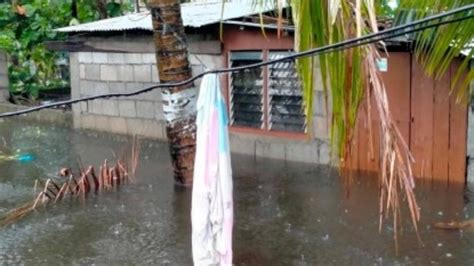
x,y
26,25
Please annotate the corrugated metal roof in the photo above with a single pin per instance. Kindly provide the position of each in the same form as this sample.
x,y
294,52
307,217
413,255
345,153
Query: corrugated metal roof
x,y
195,14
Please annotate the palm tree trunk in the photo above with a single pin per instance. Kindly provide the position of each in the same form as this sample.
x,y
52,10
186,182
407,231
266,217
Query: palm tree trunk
x,y
101,6
179,103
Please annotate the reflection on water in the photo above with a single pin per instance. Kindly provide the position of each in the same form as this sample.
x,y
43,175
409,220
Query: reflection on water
x,y
286,213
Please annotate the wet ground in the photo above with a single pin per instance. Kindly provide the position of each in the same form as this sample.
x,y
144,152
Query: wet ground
x,y
285,214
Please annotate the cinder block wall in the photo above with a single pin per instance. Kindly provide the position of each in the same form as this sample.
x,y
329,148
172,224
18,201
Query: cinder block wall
x,y
94,73
3,76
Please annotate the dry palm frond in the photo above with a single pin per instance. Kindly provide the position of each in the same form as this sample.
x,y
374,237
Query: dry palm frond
x,y
454,225
77,185
396,179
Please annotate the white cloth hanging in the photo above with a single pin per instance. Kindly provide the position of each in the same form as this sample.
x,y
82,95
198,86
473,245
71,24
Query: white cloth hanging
x,y
212,203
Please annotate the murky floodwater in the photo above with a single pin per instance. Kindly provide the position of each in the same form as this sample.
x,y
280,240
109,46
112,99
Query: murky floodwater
x,y
286,214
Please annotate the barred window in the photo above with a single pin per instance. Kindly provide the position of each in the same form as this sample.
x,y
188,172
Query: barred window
x,y
268,98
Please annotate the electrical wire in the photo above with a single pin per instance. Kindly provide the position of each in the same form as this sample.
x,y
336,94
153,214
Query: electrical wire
x,y
354,42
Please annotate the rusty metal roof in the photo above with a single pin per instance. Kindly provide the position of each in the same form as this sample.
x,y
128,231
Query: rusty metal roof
x,y
194,14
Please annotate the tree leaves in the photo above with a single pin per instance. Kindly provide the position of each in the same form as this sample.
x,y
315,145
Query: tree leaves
x,y
23,30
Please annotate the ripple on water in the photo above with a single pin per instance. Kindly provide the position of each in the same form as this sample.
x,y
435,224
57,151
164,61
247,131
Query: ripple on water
x,y
292,214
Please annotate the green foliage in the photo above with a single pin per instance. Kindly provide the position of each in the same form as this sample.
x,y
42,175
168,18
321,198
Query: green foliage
x,y
436,48
319,25
386,8
88,10
26,25
23,31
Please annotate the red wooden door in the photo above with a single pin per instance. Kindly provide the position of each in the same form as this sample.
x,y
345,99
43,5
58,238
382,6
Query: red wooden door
x,y
422,106
430,120
457,132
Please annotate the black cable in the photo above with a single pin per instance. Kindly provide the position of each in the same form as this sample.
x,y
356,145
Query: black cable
x,y
369,38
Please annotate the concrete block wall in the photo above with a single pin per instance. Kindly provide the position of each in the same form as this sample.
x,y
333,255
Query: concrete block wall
x,y
3,76
95,73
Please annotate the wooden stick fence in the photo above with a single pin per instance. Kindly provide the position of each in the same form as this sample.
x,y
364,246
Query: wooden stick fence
x,y
77,185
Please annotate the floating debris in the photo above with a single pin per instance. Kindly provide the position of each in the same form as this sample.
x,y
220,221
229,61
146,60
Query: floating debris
x,y
325,237
26,157
77,185
453,225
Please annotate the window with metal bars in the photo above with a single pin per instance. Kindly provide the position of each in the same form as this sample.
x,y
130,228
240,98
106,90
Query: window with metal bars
x,y
268,98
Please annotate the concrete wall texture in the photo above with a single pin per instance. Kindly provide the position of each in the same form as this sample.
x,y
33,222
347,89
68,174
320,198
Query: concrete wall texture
x,y
94,73
3,77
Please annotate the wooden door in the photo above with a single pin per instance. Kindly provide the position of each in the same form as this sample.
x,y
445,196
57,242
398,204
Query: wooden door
x,y
430,120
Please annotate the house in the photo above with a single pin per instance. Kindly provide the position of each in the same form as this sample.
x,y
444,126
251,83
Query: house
x,y
266,106
3,77
117,55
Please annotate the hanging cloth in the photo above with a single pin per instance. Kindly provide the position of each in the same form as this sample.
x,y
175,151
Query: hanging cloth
x,y
212,204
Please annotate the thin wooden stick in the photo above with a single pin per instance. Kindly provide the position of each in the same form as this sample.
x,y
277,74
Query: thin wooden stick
x,y
74,186
46,189
112,176
46,186
55,185
117,175
94,177
61,192
35,187
37,200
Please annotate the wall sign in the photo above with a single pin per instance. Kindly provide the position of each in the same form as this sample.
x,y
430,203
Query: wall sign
x,y
382,64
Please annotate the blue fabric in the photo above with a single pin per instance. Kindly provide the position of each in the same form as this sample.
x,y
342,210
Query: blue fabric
x,y
25,158
223,122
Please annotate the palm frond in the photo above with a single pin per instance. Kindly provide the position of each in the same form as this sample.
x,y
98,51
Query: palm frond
x,y
436,48
348,77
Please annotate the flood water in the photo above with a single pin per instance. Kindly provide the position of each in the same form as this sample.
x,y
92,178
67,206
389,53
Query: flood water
x,y
285,213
